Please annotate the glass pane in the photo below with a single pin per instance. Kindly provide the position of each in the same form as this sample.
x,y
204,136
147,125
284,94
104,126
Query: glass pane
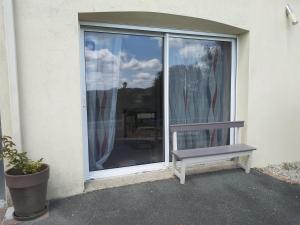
x,y
124,99
200,78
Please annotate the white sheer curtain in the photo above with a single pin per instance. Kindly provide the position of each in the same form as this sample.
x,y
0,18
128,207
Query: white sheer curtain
x,y
102,57
200,89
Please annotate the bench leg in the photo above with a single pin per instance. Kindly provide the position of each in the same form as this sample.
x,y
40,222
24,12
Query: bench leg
x,y
248,163
174,163
236,160
182,174
176,172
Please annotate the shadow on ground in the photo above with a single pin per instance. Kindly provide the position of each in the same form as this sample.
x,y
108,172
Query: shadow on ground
x,y
219,198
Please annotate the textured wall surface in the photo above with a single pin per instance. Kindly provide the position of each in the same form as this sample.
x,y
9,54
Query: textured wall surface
x,y
49,76
4,90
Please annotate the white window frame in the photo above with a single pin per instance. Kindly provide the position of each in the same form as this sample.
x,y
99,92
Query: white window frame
x,y
165,34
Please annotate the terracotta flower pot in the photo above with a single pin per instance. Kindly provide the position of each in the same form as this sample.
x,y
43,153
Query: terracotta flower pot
x,y
28,193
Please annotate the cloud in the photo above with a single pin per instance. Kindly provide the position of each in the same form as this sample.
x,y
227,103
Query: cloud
x,y
196,55
104,69
144,76
106,81
177,42
142,80
102,61
200,55
193,51
102,80
102,54
134,64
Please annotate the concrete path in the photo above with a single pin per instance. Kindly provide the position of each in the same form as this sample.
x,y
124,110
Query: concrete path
x,y
219,198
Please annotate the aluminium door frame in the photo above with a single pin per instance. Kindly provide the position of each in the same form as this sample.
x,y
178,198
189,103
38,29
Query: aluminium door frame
x,y
164,34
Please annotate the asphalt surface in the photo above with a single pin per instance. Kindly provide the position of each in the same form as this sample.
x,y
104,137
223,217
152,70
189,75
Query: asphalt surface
x,y
219,198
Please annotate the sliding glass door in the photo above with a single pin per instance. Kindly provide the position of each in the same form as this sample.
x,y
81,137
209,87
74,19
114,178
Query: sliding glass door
x,y
200,88
124,99
137,83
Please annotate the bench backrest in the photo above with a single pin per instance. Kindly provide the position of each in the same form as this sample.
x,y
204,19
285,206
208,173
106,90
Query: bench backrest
x,y
202,126
206,126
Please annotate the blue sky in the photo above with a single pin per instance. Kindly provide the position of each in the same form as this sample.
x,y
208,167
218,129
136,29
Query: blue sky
x,y
143,47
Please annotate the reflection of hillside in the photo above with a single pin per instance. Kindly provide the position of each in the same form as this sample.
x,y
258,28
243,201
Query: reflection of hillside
x,y
136,98
138,110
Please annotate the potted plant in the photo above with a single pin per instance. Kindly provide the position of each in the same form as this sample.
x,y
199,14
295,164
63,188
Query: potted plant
x,y
27,181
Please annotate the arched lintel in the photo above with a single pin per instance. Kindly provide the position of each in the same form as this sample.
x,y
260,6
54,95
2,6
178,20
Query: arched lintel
x,y
161,20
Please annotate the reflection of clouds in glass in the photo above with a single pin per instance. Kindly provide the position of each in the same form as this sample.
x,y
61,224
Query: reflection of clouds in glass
x,y
101,60
106,81
103,69
177,42
197,53
142,80
102,54
102,81
135,64
105,56
143,76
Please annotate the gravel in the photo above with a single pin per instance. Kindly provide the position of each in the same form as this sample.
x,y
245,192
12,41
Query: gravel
x,y
288,172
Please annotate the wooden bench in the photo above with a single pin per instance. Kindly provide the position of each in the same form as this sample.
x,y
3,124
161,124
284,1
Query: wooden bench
x,y
210,154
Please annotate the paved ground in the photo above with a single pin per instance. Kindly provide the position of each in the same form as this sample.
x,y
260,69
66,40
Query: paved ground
x,y
220,198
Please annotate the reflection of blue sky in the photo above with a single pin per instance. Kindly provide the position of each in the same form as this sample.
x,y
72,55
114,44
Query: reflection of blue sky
x,y
112,59
143,48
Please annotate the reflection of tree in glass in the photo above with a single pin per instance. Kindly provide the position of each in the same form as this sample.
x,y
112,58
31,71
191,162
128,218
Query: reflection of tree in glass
x,y
124,84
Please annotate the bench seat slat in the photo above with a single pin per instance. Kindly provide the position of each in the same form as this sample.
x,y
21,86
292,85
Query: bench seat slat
x,y
210,151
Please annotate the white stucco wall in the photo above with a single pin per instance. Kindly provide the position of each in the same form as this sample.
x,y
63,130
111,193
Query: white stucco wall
x,y
49,77
4,90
